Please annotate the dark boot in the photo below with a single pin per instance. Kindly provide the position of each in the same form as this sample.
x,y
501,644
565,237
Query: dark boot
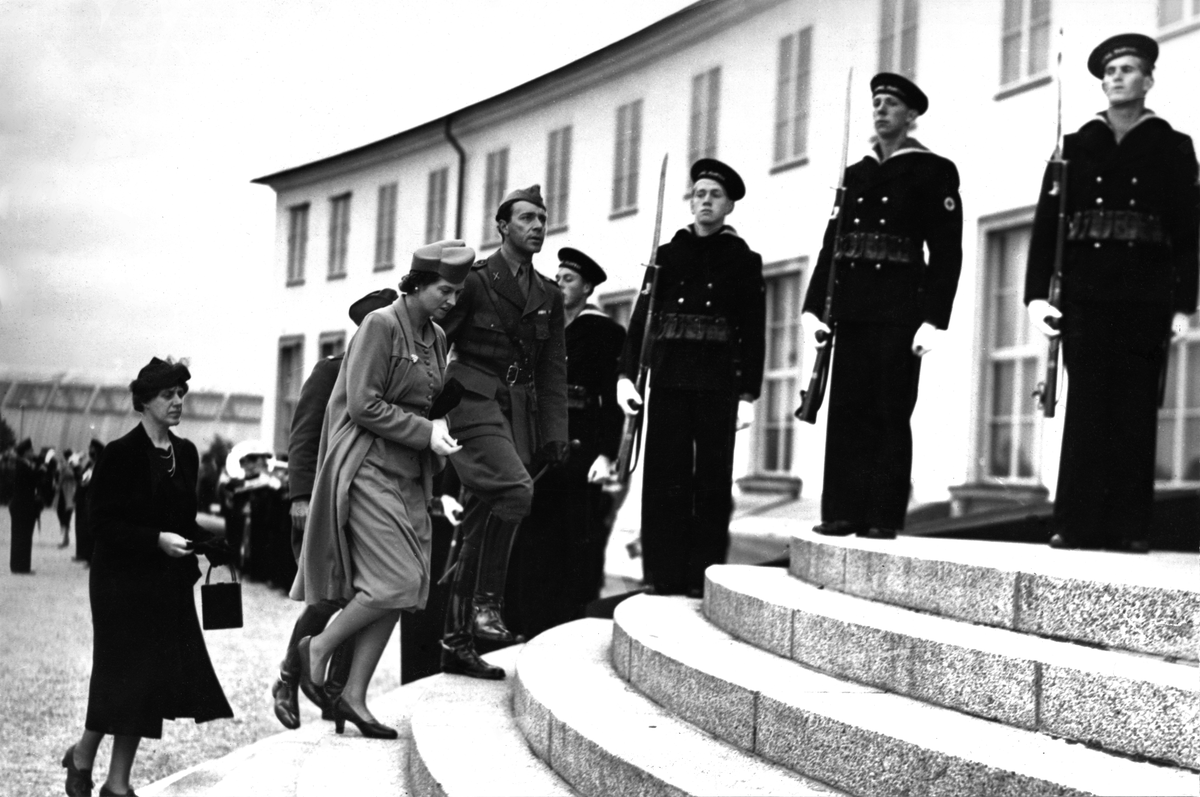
x,y
339,671
488,621
458,643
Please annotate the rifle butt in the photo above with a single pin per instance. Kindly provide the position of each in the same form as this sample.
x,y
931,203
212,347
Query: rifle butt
x,y
813,397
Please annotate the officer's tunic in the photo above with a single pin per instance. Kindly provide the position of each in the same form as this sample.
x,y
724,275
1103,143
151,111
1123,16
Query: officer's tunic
x,y
508,353
557,563
708,348
884,291
1130,262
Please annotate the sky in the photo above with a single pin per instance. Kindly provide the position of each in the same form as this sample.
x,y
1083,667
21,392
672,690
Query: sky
x,y
130,131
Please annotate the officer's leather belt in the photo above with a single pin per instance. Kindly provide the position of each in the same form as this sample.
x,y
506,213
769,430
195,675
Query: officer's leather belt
x,y
879,247
686,326
515,373
1116,225
580,398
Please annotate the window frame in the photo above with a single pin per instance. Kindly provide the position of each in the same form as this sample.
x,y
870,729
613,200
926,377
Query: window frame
x,y
1184,355
285,398
1024,31
704,121
796,270
333,338
297,242
1188,20
339,235
558,178
901,35
495,185
627,159
793,100
385,226
436,197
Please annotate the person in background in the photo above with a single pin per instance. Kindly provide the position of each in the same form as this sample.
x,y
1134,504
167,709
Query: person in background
x,y
64,499
83,526
149,660
303,444
368,536
1130,263
706,367
24,508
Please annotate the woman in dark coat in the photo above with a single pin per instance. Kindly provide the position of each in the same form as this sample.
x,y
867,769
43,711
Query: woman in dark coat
x,y
149,661
83,529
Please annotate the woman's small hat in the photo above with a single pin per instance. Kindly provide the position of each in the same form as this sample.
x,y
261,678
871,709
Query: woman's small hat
x,y
159,375
451,260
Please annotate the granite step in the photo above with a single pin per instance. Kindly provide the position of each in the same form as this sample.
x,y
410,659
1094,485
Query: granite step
x,y
604,738
1140,603
1131,704
464,740
857,738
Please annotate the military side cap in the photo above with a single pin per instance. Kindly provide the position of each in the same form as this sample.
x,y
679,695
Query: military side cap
x,y
583,265
713,169
532,194
371,302
902,89
1122,44
451,260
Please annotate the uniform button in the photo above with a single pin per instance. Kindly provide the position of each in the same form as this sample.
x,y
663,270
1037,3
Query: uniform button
x,y
1133,181
878,266
1099,200
1099,179
1132,202
1131,244
710,286
884,200
883,221
856,221
681,300
708,304
860,200
1096,245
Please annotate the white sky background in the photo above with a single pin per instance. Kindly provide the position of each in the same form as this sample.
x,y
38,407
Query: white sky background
x,y
130,131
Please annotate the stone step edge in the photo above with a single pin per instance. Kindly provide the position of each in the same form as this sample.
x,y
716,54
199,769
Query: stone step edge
x,y
573,730
1127,704
808,721
452,708
956,578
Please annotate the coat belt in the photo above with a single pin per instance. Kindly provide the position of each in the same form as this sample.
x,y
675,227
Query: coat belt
x,y
1116,225
878,246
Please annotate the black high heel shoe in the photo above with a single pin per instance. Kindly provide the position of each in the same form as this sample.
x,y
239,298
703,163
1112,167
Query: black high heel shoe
x,y
79,781
312,690
372,729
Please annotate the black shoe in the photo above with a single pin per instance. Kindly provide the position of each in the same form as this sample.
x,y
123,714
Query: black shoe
x,y
488,623
79,781
463,660
878,533
372,729
312,691
839,528
287,704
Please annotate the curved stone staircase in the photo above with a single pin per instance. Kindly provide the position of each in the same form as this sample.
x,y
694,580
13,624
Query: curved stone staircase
x,y
906,667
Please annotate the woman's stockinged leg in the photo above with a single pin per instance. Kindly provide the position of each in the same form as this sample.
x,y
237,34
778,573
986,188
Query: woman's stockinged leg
x,y
85,749
368,648
346,624
124,750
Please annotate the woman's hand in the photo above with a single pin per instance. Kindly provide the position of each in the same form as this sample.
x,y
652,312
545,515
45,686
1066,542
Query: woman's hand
x,y
172,544
440,442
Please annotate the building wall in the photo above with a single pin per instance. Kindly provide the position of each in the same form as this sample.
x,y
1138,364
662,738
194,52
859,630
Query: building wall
x,y
999,140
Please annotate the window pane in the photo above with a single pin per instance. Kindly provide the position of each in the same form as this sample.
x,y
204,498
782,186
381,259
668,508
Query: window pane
x,y
1025,450
1039,48
1193,374
1010,59
1169,11
783,98
1191,451
1012,15
1164,455
1000,447
1007,320
1003,376
1170,396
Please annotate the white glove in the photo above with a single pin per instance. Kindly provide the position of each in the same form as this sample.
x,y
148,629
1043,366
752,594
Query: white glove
x,y
927,338
1039,311
745,414
1179,325
817,331
601,470
452,509
628,399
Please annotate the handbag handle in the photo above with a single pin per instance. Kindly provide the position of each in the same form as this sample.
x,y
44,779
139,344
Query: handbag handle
x,y
232,572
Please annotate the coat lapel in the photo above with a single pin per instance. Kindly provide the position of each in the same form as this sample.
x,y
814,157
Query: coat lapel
x,y
503,281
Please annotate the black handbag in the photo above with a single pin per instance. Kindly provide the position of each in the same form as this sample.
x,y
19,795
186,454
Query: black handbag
x,y
221,604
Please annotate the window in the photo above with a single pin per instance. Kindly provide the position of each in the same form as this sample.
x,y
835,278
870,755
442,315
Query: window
x,y
339,235
385,228
494,188
1014,364
626,157
1178,452
898,38
435,205
331,344
297,243
702,131
558,178
288,382
776,430
1025,40
1172,12
791,96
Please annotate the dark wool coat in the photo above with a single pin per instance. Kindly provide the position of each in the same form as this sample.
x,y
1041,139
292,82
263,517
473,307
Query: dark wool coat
x,y
715,279
149,661
594,343
892,211
307,422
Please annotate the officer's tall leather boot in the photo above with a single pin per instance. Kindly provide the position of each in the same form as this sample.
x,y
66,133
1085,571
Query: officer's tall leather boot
x,y
498,540
458,642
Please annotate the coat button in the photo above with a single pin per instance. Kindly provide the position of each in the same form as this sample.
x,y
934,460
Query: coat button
x,y
1133,181
878,266
860,200
1096,245
681,300
1099,179
856,221
1132,202
884,200
883,221
708,304
710,286
1099,200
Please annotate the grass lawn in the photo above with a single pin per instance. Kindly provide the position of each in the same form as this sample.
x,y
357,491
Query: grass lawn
x,y
45,664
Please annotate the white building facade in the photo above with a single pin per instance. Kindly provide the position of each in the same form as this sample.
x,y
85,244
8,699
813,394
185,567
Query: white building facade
x,y
760,84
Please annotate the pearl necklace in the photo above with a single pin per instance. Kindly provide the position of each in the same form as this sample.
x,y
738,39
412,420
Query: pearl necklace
x,y
171,456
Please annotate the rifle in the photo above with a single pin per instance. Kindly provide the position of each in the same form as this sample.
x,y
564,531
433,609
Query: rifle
x,y
1046,392
812,398
632,432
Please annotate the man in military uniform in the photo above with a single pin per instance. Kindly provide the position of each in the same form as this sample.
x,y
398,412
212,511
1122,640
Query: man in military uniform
x,y
558,560
508,352
706,366
889,307
1129,280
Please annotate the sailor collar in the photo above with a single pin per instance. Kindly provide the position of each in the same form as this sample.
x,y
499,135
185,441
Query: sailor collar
x,y
726,229
911,145
1147,114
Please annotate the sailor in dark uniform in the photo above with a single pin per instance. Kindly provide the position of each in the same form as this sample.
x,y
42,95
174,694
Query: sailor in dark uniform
x,y
509,354
889,307
1129,283
706,367
557,564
